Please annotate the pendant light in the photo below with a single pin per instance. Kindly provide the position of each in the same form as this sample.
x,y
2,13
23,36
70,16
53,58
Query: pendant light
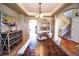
x,y
39,14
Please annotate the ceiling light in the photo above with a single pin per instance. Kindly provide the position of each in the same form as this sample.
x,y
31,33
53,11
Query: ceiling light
x,y
36,16
39,14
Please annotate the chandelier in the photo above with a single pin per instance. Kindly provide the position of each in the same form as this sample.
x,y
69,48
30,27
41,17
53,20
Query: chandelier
x,y
39,14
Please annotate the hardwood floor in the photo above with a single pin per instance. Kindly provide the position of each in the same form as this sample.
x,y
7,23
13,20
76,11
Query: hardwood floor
x,y
43,48
70,46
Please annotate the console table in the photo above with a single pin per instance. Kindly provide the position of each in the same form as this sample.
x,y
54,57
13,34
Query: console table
x,y
10,39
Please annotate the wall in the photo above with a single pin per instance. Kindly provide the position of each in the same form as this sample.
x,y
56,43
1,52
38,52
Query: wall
x,y
22,24
56,38
75,29
8,11
64,9
52,25
21,21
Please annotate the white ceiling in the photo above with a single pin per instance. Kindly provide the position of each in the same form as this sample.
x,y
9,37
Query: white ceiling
x,y
46,8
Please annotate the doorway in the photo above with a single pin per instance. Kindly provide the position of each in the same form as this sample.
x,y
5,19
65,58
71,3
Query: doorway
x,y
62,28
32,25
32,29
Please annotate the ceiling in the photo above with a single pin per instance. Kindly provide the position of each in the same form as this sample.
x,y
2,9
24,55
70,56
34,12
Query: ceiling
x,y
46,8
16,8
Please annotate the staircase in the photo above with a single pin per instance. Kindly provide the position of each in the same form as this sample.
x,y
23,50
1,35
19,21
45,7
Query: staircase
x,y
64,26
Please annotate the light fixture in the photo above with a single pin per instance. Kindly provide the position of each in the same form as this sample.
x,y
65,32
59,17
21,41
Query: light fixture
x,y
39,14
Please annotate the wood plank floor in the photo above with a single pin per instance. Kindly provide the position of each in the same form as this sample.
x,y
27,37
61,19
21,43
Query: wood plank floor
x,y
43,48
70,46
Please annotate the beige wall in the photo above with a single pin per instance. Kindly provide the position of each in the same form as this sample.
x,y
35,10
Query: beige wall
x,y
8,11
21,21
22,24
52,25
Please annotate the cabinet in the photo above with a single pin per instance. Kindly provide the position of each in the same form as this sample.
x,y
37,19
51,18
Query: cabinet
x,y
0,35
0,44
10,39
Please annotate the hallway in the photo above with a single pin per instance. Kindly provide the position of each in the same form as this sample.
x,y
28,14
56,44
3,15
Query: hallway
x,y
43,47
39,29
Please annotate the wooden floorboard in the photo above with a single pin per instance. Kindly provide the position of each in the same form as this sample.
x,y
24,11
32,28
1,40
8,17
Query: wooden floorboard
x,y
44,48
70,46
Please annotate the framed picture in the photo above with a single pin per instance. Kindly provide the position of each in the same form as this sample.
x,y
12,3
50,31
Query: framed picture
x,y
8,20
